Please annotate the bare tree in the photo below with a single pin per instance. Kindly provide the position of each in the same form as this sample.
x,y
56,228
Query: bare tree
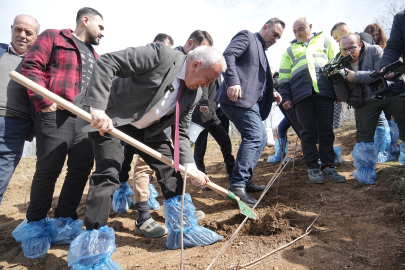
x,y
386,16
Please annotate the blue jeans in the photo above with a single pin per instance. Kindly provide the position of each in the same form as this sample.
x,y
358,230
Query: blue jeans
x,y
13,132
254,138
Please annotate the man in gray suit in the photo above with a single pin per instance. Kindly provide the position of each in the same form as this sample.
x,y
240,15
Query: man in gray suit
x,y
142,103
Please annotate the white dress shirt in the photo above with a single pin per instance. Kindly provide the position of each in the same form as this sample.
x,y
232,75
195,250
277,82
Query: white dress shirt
x,y
166,105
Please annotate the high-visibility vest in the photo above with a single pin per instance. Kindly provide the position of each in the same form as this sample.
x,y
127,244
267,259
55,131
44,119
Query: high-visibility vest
x,y
298,57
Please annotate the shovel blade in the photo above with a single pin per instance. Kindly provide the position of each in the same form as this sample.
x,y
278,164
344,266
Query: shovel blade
x,y
243,208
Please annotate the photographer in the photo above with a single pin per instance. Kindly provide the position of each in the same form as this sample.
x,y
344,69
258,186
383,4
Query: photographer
x,y
353,90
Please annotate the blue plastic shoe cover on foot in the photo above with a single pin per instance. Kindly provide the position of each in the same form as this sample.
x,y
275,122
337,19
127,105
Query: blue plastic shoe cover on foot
x,y
277,157
402,155
35,237
92,250
193,235
152,202
122,198
382,139
394,148
365,160
65,230
338,155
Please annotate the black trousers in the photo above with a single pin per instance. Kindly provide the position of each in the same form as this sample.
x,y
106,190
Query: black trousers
x,y
129,153
220,134
56,137
109,155
321,109
291,116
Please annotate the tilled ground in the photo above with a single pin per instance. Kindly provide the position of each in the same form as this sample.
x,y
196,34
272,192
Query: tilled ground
x,y
360,227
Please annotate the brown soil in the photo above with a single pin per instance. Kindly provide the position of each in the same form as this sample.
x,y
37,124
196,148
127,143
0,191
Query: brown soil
x,y
360,227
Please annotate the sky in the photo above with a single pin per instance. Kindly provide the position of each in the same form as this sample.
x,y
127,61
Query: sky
x,y
135,23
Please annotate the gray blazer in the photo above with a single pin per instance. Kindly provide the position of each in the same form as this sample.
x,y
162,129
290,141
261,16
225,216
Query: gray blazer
x,y
369,60
144,75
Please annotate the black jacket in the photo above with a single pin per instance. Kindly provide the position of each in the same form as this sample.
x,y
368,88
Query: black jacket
x,y
396,44
207,99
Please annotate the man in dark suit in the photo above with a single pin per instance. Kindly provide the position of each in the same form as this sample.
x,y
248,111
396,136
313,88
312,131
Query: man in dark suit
x,y
205,112
246,96
142,103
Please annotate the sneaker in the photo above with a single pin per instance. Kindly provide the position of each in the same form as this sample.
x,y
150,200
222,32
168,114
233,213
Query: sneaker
x,y
200,215
315,176
151,228
332,174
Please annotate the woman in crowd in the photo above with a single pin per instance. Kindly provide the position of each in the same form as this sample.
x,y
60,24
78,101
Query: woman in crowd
x,y
378,34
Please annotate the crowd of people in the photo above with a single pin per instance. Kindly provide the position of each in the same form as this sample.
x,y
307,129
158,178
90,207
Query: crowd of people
x,y
153,92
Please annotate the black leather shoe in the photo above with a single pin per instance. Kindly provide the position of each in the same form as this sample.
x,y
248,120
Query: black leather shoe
x,y
244,196
251,188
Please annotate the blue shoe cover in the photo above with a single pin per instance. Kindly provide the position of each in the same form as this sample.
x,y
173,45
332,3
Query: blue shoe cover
x,y
122,198
365,160
65,230
152,202
338,155
394,148
382,139
402,155
193,235
277,157
35,237
92,250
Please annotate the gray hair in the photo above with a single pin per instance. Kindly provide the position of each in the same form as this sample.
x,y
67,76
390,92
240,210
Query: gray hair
x,y
38,26
208,56
306,20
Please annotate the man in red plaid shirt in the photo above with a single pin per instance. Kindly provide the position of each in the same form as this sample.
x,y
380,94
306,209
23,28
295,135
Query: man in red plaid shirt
x,y
61,61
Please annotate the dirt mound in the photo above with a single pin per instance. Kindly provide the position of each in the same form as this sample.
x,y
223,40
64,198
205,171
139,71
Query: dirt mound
x,y
363,226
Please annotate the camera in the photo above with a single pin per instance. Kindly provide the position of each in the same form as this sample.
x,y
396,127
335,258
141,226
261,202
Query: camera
x,y
380,87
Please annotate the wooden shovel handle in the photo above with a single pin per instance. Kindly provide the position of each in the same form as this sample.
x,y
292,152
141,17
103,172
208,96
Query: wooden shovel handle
x,y
119,134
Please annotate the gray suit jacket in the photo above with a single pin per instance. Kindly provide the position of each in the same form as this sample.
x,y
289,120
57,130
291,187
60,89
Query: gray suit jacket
x,y
144,75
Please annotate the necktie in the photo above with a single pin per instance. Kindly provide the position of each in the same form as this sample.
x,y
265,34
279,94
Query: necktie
x,y
176,128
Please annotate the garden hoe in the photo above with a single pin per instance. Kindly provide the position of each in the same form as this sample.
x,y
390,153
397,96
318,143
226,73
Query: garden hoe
x,y
244,209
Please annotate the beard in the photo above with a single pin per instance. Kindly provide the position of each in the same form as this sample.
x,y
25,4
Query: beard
x,y
93,38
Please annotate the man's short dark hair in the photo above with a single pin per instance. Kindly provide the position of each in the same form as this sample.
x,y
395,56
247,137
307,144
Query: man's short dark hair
x,y
162,37
273,21
198,37
339,24
87,11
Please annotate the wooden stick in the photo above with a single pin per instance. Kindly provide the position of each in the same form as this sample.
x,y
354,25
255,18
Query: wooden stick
x,y
120,135
295,151
282,155
252,263
269,184
181,218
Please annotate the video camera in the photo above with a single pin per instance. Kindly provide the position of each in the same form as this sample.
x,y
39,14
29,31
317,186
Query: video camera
x,y
335,68
381,87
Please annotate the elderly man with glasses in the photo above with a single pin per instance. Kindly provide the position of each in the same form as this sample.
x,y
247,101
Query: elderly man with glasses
x,y
303,87
353,89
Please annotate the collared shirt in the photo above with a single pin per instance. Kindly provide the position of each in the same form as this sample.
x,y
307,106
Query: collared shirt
x,y
306,43
166,105
11,49
261,40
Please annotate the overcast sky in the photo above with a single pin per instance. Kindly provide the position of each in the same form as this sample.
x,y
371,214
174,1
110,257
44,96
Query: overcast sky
x,y
135,23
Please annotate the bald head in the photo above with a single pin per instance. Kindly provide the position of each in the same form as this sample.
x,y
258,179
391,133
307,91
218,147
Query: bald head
x,y
32,20
24,31
302,29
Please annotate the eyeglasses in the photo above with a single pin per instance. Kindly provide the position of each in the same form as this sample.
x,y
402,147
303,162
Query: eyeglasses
x,y
351,49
